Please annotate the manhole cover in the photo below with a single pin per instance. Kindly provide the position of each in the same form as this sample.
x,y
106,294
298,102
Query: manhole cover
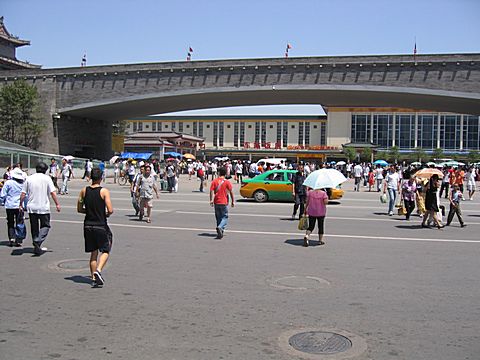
x,y
320,342
300,282
70,265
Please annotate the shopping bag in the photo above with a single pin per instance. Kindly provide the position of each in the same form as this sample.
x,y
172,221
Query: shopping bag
x,y
20,228
383,198
402,210
303,223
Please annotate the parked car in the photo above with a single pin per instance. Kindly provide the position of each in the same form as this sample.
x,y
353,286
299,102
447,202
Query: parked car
x,y
275,185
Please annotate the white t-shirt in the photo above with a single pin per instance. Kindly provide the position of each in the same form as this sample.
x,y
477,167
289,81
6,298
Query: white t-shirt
x,y
392,180
357,170
38,188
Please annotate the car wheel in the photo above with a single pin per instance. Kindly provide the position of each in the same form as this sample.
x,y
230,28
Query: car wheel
x,y
260,196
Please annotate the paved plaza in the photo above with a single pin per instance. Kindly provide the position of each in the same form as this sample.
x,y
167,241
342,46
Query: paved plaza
x,y
173,291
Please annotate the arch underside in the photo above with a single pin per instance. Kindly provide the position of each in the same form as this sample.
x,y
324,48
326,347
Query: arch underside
x,y
328,96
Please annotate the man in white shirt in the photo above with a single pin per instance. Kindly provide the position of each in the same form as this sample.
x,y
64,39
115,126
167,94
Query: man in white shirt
x,y
357,173
37,189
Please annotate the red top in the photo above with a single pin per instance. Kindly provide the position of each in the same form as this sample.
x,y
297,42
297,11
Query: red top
x,y
220,187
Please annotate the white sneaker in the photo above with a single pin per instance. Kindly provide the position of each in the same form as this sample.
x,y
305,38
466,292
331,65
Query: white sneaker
x,y
390,213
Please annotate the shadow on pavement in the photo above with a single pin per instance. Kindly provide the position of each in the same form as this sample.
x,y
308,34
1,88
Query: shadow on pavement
x,y
474,215
299,242
80,279
288,219
21,250
380,213
212,235
333,202
410,227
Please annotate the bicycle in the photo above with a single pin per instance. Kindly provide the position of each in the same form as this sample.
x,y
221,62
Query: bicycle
x,y
123,179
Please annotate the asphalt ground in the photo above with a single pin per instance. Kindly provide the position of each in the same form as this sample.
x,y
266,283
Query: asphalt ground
x,y
173,291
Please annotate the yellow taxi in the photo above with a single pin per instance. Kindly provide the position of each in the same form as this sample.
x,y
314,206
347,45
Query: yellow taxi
x,y
276,185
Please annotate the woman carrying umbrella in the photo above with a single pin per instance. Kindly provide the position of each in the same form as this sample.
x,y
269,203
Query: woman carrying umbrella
x,y
431,203
316,209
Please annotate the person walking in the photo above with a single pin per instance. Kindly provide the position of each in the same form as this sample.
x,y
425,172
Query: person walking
x,y
316,208
53,171
455,199
379,177
94,201
145,188
357,173
170,170
299,191
133,190
445,183
392,185
37,188
201,173
239,171
431,202
10,198
409,191
66,175
220,191
470,178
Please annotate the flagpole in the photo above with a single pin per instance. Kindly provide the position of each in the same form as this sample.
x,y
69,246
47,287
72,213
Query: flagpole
x,y
415,52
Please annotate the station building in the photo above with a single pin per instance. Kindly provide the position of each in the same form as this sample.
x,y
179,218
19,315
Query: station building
x,y
315,136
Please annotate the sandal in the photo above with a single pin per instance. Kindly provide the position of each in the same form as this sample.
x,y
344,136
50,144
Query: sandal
x,y
149,221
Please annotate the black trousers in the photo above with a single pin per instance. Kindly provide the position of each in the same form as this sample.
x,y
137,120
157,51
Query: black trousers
x,y
300,200
409,206
39,227
11,221
445,186
311,224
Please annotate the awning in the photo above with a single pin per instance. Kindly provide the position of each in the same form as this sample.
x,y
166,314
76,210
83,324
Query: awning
x,y
134,155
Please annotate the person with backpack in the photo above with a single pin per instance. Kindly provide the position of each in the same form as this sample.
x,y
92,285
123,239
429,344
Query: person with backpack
x,y
220,190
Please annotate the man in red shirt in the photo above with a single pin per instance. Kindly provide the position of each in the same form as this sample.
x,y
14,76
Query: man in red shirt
x,y
220,189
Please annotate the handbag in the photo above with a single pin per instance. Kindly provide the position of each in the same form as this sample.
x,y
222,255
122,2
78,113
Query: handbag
x,y
402,210
303,223
20,228
383,198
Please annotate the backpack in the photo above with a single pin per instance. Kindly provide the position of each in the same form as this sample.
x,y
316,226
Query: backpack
x,y
200,173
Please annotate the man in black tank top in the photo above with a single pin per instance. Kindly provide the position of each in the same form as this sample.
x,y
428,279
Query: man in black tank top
x,y
94,202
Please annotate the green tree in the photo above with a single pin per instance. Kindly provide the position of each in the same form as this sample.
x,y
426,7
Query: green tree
x,y
366,154
119,127
350,153
419,154
473,156
394,154
437,153
19,119
381,155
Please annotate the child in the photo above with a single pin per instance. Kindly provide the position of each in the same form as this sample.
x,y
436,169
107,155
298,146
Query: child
x,y
371,179
455,198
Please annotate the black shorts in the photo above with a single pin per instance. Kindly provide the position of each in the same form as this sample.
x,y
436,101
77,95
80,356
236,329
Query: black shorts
x,y
97,238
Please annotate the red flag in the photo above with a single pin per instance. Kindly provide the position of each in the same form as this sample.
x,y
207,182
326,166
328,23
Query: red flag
x,y
191,50
289,46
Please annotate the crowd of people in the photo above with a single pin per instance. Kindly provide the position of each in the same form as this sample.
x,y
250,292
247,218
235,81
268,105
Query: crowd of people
x,y
402,186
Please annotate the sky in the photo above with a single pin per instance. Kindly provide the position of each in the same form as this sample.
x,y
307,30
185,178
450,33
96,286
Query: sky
x,y
142,31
